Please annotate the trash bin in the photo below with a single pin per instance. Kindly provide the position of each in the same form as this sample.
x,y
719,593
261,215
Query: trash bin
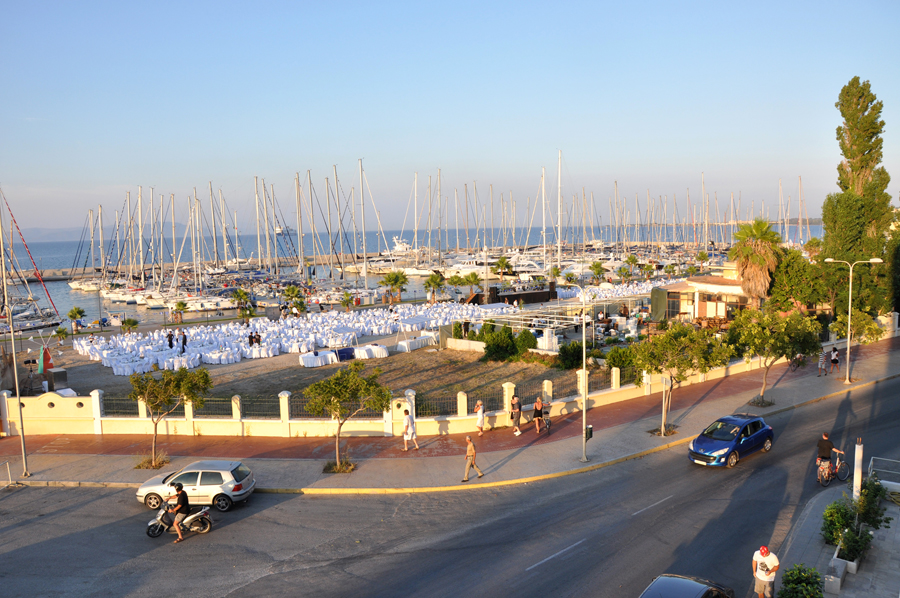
x,y
589,432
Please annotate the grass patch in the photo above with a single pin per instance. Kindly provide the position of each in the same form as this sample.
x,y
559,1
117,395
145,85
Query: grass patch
x,y
671,430
345,466
146,462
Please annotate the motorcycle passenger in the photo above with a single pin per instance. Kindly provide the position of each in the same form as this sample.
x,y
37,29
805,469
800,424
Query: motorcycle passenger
x,y
825,448
180,510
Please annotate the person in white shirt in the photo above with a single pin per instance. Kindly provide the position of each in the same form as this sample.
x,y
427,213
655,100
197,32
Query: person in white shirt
x,y
409,430
765,564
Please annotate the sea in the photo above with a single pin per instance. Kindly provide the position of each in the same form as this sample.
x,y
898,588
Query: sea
x,y
48,255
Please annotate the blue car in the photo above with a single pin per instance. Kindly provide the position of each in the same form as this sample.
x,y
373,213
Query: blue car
x,y
730,438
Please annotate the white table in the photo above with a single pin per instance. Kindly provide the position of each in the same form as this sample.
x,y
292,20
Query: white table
x,y
414,343
310,360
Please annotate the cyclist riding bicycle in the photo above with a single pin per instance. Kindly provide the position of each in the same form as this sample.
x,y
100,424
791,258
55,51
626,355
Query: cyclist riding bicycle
x,y
825,448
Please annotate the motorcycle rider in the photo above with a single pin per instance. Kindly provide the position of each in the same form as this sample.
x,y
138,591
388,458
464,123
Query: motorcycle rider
x,y
825,448
180,510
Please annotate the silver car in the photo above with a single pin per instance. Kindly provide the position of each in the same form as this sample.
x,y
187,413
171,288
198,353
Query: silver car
x,y
217,483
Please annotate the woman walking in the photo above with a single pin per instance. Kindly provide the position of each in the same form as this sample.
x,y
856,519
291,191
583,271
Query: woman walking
x,y
835,360
516,413
538,414
479,423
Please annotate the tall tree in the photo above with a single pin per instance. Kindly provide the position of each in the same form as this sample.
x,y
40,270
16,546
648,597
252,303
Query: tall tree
x,y
434,283
597,270
395,280
859,137
796,283
756,252
677,354
773,336
472,279
344,394
501,267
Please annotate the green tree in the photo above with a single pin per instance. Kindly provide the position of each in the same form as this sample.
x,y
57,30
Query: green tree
x,y
347,301
554,272
61,335
457,281
756,252
669,270
163,392
863,328
499,345
801,581
648,270
619,357
501,267
395,281
631,261
677,354
570,278
597,270
129,325
702,258
472,279
434,283
772,336
692,271
813,248
525,341
293,297
344,394
244,305
796,283
859,138
624,273
76,313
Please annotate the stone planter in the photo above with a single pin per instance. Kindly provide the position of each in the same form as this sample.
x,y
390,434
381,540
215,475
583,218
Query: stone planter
x,y
851,566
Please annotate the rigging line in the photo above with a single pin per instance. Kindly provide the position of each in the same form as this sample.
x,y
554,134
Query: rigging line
x,y
36,271
80,243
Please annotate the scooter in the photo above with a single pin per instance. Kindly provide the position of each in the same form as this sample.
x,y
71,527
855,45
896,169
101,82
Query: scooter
x,y
197,522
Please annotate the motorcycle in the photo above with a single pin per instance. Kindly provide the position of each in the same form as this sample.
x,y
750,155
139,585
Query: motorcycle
x,y
198,522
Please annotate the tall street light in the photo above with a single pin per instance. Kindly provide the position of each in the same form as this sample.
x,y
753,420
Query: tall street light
x,y
874,260
584,457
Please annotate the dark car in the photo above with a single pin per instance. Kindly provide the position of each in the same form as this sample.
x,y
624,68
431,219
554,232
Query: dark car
x,y
730,438
678,586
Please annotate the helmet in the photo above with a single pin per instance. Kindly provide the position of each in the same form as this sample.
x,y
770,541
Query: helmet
x,y
179,487
763,550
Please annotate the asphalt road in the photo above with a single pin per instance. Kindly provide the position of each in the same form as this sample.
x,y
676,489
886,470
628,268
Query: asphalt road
x,y
607,533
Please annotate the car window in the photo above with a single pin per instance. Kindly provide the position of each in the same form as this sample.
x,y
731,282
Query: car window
x,y
186,479
211,478
240,472
721,431
755,427
745,432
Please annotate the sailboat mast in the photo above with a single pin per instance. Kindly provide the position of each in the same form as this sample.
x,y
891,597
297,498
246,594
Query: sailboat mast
x,y
362,212
258,238
212,223
559,211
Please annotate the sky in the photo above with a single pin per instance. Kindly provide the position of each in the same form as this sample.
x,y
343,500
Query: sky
x,y
101,97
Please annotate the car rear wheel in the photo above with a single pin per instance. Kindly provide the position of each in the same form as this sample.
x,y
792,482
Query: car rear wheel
x,y
732,459
767,445
222,502
153,501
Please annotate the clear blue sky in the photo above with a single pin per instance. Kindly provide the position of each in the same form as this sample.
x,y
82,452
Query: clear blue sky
x,y
98,98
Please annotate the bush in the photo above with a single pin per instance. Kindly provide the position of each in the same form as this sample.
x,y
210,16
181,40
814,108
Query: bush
x,y
570,356
837,517
472,336
499,345
801,581
457,330
612,340
663,325
525,341
620,357
486,329
854,544
869,504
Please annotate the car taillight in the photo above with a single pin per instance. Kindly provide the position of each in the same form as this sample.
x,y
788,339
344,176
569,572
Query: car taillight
x,y
237,488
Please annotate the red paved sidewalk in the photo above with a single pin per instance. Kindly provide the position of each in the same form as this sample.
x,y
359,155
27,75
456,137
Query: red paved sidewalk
x,y
433,446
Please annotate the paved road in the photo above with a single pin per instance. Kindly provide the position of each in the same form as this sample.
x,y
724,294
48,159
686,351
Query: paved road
x,y
606,533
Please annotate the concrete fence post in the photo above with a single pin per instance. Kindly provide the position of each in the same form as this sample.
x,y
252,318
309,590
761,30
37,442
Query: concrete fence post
x,y
236,407
96,398
509,389
615,378
547,391
284,403
410,395
142,410
583,377
4,412
462,404
647,378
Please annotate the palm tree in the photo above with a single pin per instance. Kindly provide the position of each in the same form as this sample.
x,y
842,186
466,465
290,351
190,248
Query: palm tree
x,y
434,283
597,270
245,307
702,258
624,273
570,278
756,253
554,272
692,270
180,308
347,301
472,279
456,281
76,313
502,267
395,280
61,334
129,325
631,261
648,270
669,270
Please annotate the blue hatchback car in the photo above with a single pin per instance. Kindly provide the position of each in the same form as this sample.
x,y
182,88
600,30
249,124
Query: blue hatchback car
x,y
730,438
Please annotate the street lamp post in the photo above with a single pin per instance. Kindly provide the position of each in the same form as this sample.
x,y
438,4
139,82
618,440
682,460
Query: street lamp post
x,y
584,457
874,260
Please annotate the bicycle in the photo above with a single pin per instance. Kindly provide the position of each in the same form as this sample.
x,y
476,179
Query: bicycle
x,y
796,362
828,470
545,415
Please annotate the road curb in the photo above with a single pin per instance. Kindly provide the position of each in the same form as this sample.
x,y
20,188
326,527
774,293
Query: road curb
x,y
466,487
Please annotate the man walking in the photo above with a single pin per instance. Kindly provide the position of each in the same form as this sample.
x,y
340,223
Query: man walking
x,y
765,564
823,356
183,341
470,459
409,430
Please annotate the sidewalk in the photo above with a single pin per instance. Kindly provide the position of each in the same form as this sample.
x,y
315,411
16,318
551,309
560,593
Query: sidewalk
x,y
878,575
295,464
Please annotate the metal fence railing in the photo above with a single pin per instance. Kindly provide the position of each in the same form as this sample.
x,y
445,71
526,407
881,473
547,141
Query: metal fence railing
x,y
599,379
529,391
565,387
492,398
261,408
297,408
118,407
628,376
428,406
214,408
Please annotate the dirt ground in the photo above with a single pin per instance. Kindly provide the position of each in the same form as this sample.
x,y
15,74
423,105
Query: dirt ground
x,y
429,372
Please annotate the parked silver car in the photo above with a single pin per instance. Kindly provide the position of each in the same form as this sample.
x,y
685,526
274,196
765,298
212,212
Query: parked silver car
x,y
217,483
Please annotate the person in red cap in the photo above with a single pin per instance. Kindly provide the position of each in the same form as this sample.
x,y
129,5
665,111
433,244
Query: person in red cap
x,y
765,564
